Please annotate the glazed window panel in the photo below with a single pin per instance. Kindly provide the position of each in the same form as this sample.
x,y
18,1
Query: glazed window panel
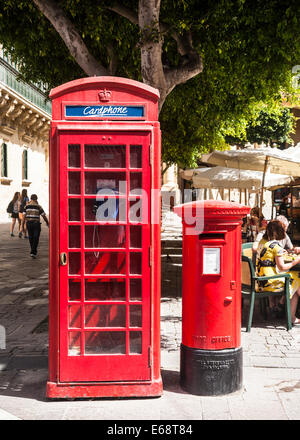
x,y
105,289
74,263
137,213
136,237
135,316
74,343
74,210
136,156
136,263
136,183
4,172
135,289
74,160
105,342
105,263
74,183
105,156
105,209
105,236
74,315
74,237
74,290
105,183
135,342
25,165
105,315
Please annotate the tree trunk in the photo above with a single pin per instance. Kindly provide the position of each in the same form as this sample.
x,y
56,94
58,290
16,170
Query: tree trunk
x,y
148,20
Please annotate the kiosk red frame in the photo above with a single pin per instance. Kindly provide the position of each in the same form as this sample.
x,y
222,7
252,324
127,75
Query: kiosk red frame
x,y
104,284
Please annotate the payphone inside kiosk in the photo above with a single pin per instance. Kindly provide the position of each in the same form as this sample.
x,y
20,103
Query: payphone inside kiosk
x,y
104,317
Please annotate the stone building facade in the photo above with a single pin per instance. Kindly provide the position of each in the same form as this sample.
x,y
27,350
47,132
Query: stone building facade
x,y
24,128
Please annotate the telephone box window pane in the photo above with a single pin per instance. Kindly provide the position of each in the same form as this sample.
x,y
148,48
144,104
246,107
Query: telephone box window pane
x,y
135,290
74,290
105,236
136,211
136,237
74,343
106,289
105,342
135,316
135,342
74,210
105,263
74,156
107,210
135,156
136,183
105,156
135,263
74,319
105,316
74,263
74,237
74,183
105,183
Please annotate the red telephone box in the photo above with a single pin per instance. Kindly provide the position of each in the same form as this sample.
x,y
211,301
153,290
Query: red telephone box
x,y
104,312
211,352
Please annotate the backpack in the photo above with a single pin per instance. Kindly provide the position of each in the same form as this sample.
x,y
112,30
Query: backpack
x,y
10,208
23,204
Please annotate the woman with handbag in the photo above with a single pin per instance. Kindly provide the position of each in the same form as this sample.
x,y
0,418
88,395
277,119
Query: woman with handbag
x,y
13,210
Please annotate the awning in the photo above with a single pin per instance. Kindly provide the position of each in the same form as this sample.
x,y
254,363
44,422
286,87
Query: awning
x,y
221,177
284,162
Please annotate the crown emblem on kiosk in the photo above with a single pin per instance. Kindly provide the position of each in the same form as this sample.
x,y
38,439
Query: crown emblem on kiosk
x,y
104,95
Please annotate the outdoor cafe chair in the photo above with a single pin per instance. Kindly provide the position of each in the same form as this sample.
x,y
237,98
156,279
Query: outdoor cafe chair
x,y
249,287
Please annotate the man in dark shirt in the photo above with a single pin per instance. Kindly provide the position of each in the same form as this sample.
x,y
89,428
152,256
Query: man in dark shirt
x,y
32,212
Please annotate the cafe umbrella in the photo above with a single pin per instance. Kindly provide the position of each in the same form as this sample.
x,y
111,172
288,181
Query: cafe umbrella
x,y
267,160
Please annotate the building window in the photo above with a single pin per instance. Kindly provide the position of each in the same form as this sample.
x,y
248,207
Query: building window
x,y
25,165
3,160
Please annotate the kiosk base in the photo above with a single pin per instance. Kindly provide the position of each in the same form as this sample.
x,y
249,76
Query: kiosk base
x,y
116,390
211,372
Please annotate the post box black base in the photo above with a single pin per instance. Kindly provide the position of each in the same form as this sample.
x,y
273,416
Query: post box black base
x,y
211,372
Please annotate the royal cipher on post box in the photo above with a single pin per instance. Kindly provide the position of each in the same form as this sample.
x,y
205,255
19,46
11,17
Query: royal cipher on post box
x,y
211,352
104,312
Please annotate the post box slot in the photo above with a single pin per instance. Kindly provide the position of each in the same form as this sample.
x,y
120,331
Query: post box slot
x,y
212,236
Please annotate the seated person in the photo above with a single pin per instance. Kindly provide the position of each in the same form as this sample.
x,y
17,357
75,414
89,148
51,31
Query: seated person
x,y
270,261
285,243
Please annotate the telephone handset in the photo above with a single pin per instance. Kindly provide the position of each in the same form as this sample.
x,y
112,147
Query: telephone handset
x,y
106,209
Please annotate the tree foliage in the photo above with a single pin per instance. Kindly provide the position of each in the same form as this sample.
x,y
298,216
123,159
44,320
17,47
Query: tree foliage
x,y
271,126
246,50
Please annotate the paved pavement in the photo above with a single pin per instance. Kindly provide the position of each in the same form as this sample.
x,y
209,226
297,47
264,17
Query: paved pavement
x,y
271,389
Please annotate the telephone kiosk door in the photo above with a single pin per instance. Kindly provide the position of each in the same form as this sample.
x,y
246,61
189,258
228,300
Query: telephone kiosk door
x,y
104,239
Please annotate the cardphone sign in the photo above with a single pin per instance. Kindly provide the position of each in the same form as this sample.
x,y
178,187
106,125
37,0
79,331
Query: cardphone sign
x,y
104,111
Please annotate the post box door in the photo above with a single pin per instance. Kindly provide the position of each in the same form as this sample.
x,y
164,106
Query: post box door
x,y
104,256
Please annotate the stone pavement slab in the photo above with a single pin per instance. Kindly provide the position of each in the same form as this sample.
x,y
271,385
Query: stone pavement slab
x,y
271,386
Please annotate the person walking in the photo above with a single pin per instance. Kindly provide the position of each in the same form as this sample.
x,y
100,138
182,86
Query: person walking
x,y
23,201
13,210
33,211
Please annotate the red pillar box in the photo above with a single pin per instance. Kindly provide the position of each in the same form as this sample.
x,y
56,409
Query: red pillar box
x,y
104,317
211,353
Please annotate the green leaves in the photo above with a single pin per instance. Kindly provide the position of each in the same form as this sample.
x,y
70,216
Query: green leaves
x,y
248,50
272,125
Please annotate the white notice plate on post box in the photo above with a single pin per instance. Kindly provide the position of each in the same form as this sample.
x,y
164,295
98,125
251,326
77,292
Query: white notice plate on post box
x,y
211,261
